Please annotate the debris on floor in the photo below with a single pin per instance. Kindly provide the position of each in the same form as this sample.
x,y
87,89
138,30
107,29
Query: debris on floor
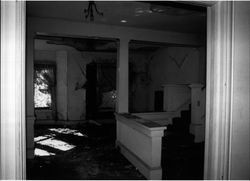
x,y
87,152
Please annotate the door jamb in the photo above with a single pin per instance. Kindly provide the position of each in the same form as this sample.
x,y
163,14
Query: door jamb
x,y
218,115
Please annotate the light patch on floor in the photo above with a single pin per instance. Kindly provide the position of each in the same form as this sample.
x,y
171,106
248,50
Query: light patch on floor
x,y
40,152
57,144
67,131
36,139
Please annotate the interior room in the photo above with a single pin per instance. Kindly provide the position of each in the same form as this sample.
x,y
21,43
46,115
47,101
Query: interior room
x,y
76,85
85,79
76,92
124,90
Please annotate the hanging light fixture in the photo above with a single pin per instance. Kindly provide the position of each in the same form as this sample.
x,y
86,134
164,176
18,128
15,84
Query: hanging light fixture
x,y
90,12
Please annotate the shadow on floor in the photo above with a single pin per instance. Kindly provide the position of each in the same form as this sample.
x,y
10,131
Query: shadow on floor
x,y
182,162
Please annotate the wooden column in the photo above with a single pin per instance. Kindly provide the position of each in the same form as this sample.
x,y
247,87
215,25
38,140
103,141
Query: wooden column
x,y
219,95
197,126
122,76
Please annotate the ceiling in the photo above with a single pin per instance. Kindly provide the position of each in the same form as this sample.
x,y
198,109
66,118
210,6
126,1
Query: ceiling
x,y
148,15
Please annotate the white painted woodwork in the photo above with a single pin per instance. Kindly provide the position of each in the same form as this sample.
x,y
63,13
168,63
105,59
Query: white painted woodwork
x,y
140,142
122,76
219,91
227,107
175,96
13,141
162,118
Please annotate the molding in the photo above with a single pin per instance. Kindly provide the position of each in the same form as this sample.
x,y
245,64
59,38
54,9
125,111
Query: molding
x,y
146,127
219,74
13,128
218,94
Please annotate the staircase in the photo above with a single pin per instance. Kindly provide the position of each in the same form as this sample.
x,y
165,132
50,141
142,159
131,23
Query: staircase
x,y
177,133
178,149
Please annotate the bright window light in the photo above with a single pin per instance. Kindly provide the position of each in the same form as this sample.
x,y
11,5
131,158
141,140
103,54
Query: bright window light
x,y
40,152
44,84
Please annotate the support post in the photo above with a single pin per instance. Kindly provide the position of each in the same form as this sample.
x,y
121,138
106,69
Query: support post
x,y
122,76
197,126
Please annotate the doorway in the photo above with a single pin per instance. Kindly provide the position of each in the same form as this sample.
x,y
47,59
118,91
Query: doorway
x,y
20,172
100,90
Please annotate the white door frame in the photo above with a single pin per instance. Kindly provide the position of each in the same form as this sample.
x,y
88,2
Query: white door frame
x,y
13,136
218,104
219,90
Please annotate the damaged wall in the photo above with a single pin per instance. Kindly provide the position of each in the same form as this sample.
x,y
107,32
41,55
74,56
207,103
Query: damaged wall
x,y
70,66
170,65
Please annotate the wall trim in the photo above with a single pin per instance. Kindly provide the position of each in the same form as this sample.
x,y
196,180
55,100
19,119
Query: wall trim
x,y
219,86
13,128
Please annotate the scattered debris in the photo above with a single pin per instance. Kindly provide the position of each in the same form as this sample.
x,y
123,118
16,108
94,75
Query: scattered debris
x,y
93,157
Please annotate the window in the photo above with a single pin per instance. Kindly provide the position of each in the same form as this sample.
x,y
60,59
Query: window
x,y
44,85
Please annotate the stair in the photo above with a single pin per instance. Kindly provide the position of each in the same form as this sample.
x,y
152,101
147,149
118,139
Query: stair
x,y
177,144
177,133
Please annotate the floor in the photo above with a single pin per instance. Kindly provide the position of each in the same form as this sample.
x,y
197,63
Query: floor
x,y
88,152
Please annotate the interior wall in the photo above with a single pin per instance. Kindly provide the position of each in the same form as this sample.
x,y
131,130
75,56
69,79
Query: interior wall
x,y
170,65
174,65
76,78
62,27
138,81
61,91
71,77
240,139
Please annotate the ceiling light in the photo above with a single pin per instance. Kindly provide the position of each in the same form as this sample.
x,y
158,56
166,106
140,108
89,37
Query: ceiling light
x,y
123,21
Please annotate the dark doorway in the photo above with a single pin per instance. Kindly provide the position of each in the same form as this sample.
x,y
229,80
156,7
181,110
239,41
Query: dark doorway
x,y
100,90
